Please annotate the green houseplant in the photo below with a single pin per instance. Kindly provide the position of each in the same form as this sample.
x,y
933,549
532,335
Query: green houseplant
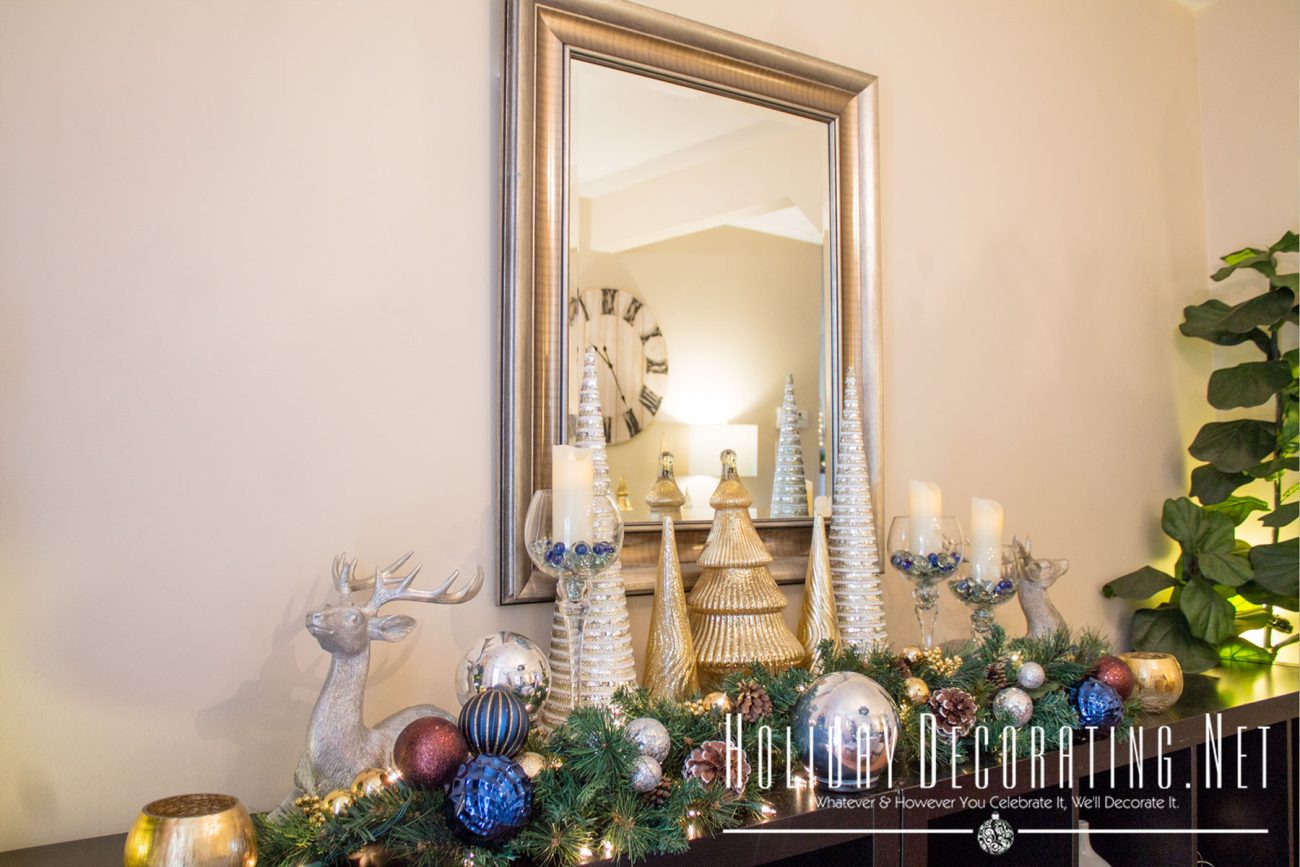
x,y
1222,586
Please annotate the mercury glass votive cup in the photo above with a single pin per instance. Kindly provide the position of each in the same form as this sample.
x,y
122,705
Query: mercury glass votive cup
x,y
1157,679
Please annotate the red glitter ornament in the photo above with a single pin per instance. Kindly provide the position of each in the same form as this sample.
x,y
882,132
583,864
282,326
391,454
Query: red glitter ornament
x,y
1112,671
429,750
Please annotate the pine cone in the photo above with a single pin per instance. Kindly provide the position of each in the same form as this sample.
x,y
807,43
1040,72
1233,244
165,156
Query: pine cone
x,y
661,792
954,710
708,764
752,700
997,675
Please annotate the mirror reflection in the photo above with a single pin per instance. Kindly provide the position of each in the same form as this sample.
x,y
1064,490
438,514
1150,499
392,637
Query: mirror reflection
x,y
699,262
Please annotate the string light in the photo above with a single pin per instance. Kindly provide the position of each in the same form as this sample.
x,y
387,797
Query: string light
x,y
585,852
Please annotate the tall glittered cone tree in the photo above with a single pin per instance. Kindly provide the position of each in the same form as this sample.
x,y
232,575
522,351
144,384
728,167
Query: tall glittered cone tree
x,y
670,653
789,482
735,607
855,563
607,662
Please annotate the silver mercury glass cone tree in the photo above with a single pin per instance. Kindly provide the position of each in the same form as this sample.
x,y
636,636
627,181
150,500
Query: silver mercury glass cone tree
x,y
607,662
855,563
789,483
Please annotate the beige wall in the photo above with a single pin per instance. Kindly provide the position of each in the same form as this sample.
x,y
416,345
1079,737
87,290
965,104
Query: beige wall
x,y
248,274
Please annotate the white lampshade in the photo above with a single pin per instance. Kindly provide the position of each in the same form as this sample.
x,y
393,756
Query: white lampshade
x,y
706,442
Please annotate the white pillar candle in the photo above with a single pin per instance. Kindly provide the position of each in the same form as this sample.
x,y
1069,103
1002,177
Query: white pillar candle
x,y
572,475
986,539
925,507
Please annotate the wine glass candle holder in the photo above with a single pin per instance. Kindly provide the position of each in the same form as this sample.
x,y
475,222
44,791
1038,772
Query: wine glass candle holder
x,y
926,551
573,562
982,586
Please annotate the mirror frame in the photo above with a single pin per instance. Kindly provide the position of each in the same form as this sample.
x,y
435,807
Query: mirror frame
x,y
542,38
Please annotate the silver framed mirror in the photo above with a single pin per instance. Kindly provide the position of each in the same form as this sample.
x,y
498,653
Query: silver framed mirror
x,y
702,209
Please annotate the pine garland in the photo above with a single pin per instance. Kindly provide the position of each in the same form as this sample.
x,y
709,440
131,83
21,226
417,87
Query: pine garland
x,y
583,806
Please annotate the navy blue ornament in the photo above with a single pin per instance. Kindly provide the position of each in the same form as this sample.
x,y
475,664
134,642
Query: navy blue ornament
x,y
489,800
494,723
1097,703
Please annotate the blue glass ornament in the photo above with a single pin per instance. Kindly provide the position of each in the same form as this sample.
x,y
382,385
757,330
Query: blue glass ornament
x,y
489,800
1097,703
494,722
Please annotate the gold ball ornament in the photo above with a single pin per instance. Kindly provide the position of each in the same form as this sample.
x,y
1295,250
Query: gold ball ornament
x,y
911,654
718,701
337,802
1015,659
532,763
915,690
369,782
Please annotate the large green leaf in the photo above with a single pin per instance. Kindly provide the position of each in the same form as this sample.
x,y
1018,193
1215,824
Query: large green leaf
x,y
1228,569
1288,243
1165,630
1195,529
1265,309
1247,384
1285,514
1277,465
1247,257
1277,566
1210,485
1234,446
1256,619
1286,281
1208,614
1238,649
1206,322
1143,583
1238,509
1253,592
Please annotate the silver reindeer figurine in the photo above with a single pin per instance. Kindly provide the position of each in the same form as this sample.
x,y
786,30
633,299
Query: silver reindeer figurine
x,y
339,745
1035,577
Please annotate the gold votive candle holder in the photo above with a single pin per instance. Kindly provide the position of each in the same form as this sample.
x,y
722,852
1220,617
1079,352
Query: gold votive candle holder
x,y
1157,679
201,830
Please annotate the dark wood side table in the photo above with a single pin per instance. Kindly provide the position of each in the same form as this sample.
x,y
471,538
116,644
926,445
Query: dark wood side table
x,y
1246,696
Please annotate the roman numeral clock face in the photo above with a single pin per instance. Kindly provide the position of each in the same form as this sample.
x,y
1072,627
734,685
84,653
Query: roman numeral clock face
x,y
631,359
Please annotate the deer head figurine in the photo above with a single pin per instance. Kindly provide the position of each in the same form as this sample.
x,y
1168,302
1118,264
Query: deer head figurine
x,y
1035,577
339,744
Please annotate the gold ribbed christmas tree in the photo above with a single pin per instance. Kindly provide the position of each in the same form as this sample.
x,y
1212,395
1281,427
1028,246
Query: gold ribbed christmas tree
x,y
735,608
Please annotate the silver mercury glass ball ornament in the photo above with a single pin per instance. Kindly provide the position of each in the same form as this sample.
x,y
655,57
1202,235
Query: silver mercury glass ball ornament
x,y
508,660
650,737
1031,675
846,727
646,774
1015,704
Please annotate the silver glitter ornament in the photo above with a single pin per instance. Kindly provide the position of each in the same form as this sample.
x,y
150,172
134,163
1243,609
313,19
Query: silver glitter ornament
x,y
1015,704
789,481
1031,675
650,737
855,561
508,660
846,728
607,662
646,774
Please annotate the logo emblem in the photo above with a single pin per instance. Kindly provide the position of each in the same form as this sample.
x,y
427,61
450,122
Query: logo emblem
x,y
995,835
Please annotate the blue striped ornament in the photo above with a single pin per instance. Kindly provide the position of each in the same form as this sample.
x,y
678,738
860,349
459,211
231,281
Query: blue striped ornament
x,y
494,723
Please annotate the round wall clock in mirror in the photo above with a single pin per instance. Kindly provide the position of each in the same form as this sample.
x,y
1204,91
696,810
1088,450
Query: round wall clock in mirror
x,y
633,372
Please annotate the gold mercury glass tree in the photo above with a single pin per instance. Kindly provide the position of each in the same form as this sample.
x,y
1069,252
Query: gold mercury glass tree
x,y
607,662
735,607
818,621
670,653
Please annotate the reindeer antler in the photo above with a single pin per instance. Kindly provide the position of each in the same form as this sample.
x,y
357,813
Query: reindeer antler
x,y
397,588
343,569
